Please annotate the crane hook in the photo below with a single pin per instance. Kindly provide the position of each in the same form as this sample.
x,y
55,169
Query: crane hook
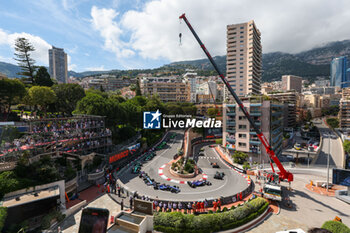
x,y
180,35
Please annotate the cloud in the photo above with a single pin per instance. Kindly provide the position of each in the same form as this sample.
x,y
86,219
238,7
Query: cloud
x,y
98,68
70,65
41,46
103,20
288,26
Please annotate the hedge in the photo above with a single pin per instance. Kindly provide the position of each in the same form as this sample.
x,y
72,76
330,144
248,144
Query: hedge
x,y
3,215
335,227
177,222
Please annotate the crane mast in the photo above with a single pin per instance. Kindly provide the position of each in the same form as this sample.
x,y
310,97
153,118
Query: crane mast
x,y
283,174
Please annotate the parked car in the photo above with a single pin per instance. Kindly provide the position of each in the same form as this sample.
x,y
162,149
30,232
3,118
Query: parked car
x,y
212,146
297,146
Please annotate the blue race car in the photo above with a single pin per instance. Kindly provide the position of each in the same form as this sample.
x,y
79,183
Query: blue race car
x,y
196,183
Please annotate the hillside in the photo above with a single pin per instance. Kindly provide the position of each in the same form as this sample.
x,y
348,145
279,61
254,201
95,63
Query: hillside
x,y
308,64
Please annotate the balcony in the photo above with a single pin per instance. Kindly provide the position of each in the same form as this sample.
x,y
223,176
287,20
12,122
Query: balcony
x,y
231,123
276,113
254,142
230,130
231,140
231,113
255,113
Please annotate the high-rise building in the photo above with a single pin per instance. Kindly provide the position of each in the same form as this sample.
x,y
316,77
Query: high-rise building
x,y
291,83
239,135
58,65
243,61
338,72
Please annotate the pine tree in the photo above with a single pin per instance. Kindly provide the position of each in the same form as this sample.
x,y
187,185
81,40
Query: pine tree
x,y
23,56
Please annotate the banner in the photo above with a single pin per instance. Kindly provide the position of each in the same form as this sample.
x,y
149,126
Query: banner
x,y
134,148
116,157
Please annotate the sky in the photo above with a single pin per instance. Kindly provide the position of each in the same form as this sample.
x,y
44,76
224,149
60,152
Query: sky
x,y
140,34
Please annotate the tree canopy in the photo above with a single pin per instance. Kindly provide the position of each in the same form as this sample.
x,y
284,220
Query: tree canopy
x,y
68,96
10,90
23,57
41,96
42,77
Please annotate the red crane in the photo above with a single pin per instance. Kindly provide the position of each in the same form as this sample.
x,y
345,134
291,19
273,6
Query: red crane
x,y
283,174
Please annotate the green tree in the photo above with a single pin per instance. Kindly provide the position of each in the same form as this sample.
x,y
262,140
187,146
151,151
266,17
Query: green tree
x,y
138,89
8,182
68,96
10,90
239,157
308,116
3,215
333,122
41,96
23,57
213,112
346,146
93,104
42,77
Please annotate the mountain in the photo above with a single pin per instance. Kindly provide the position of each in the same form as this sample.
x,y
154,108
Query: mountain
x,y
308,64
9,69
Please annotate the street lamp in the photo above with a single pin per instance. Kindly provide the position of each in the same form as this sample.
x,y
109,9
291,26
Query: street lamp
x,y
329,152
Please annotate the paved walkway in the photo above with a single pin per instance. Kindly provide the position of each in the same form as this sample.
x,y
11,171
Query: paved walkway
x,y
71,224
89,195
308,210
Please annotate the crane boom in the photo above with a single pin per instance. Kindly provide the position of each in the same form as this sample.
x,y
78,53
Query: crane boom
x,y
283,174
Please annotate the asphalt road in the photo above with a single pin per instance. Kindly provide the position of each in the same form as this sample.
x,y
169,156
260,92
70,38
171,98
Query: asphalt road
x,y
332,145
231,184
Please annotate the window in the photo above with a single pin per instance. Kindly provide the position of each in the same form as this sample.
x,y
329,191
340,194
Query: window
x,y
242,126
241,32
241,89
241,135
241,27
242,144
241,85
241,118
241,67
241,41
241,37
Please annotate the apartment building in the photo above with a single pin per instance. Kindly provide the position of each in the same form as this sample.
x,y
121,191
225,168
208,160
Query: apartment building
x,y
292,83
243,61
109,82
169,89
289,101
58,67
239,135
344,113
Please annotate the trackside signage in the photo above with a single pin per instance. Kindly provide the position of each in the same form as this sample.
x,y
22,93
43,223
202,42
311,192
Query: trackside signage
x,y
155,120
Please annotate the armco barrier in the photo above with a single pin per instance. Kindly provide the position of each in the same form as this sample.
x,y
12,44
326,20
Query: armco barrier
x,y
224,200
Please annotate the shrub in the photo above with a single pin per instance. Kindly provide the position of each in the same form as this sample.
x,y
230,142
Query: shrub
x,y
224,209
335,227
3,215
211,222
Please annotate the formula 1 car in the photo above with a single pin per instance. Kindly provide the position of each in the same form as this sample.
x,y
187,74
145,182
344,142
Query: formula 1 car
x,y
137,168
215,165
219,175
196,183
149,157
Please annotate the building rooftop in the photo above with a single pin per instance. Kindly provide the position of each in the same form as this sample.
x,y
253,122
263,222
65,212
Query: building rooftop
x,y
30,197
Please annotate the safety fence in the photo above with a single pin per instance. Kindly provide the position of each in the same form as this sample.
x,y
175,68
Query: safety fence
x,y
209,202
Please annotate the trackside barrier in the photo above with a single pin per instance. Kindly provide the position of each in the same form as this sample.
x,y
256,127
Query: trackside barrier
x,y
224,200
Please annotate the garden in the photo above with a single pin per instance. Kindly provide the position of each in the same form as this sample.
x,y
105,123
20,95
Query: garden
x,y
176,222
